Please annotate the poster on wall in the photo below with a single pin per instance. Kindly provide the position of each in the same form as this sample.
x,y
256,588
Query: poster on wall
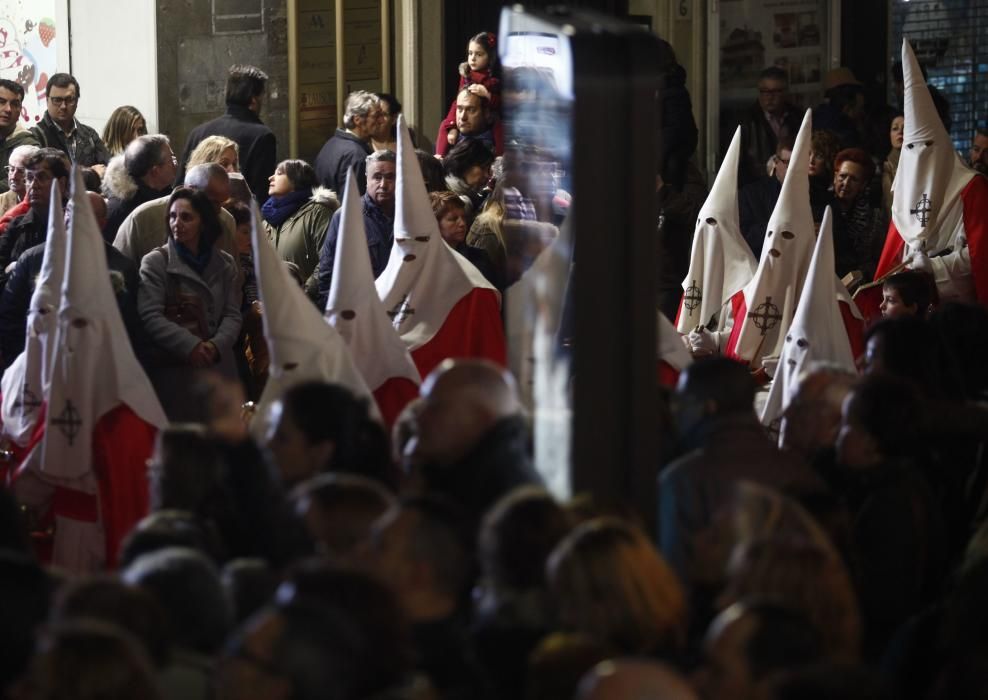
x,y
754,34
27,50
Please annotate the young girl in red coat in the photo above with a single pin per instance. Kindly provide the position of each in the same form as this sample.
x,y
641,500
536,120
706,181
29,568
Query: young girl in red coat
x,y
481,72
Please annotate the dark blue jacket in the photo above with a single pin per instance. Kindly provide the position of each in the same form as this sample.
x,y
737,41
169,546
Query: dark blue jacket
x,y
337,155
380,236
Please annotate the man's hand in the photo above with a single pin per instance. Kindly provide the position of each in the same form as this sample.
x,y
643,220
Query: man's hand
x,y
920,262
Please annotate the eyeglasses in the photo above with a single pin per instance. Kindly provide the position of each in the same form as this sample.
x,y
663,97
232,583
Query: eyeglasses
x,y
42,177
67,101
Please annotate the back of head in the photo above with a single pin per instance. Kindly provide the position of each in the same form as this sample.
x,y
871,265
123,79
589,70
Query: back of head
x,y
55,159
187,585
804,577
517,535
609,582
432,171
891,410
437,539
725,383
910,348
198,176
143,153
25,590
88,660
466,155
249,585
186,470
132,609
244,83
634,680
166,528
210,150
339,509
343,630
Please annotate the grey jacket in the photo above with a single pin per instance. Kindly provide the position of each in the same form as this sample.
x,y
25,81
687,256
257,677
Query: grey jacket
x,y
217,288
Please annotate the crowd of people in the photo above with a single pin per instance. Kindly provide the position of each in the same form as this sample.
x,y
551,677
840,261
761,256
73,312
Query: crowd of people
x,y
260,438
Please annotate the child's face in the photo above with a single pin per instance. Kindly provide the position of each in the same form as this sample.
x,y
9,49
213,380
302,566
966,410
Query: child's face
x,y
477,57
892,305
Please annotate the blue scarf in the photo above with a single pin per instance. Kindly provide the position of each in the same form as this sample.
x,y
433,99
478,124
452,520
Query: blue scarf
x,y
279,208
196,262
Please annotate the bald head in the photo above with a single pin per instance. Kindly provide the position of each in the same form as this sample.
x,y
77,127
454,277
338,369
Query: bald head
x,y
212,179
812,419
462,400
634,680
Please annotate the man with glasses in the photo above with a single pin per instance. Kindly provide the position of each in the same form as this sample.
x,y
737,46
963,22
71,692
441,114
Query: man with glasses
x,y
60,129
12,132
30,229
765,120
16,195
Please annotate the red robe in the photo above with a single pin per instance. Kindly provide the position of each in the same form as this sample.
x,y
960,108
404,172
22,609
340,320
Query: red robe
x,y
393,396
472,328
974,200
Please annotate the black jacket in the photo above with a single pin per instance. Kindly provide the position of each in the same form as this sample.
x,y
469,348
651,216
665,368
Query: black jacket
x,y
23,232
89,147
258,147
758,141
337,155
756,202
120,209
16,300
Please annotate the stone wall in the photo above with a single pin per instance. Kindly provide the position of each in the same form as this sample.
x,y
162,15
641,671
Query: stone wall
x,y
198,40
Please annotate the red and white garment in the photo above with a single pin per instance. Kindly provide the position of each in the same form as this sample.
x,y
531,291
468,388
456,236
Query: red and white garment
x,y
441,306
356,312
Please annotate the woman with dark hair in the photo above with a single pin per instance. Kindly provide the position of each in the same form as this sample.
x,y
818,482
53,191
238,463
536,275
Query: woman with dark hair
x,y
319,427
189,301
297,215
385,138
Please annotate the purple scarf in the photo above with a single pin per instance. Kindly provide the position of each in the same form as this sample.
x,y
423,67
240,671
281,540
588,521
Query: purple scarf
x,y
279,208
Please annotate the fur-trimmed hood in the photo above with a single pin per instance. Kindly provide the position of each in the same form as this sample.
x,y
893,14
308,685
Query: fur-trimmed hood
x,y
117,183
325,196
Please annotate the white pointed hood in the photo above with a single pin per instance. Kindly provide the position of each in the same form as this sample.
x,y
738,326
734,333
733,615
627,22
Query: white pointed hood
x,y
817,333
424,278
721,263
931,175
773,293
26,381
301,345
353,307
94,369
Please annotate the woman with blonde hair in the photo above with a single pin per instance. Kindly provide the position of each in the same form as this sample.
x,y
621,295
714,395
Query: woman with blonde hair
x,y
124,125
609,583
225,152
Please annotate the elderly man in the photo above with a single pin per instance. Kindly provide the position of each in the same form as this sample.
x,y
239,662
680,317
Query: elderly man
x,y
379,218
145,172
471,441
362,118
31,228
242,123
60,129
146,228
767,118
474,122
12,134
15,179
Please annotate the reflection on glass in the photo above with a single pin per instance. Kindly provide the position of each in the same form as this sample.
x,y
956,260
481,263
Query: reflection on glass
x,y
537,104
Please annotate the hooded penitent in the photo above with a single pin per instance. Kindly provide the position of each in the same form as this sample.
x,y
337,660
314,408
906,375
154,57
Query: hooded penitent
x,y
939,205
770,299
26,381
819,330
721,263
438,302
301,345
102,413
355,310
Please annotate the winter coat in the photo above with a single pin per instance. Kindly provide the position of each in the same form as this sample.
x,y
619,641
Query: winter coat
x,y
146,228
257,144
380,235
88,148
758,141
26,231
16,300
300,237
218,291
125,194
337,155
19,137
